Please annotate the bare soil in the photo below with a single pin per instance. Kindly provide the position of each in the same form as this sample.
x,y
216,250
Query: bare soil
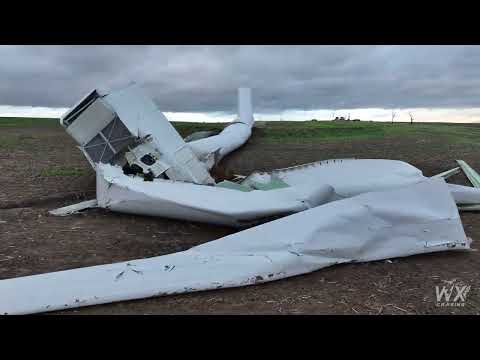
x,y
32,242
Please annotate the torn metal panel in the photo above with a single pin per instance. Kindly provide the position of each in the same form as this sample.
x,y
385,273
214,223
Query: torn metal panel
x,y
367,227
146,158
75,208
471,174
277,193
258,196
109,125
218,205
143,119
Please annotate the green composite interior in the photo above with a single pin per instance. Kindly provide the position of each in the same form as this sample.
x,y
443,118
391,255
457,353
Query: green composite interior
x,y
251,185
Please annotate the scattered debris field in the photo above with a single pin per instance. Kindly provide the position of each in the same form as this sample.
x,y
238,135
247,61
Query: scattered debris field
x,y
42,170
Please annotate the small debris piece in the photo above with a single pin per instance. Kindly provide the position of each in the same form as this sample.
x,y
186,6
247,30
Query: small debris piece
x,y
448,173
471,174
75,208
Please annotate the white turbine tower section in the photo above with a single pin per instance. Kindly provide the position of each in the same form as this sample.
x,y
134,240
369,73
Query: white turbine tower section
x,y
212,149
245,108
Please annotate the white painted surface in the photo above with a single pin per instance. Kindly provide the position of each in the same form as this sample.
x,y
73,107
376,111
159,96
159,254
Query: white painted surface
x,y
465,194
233,136
90,122
180,200
142,117
245,107
310,185
416,219
349,177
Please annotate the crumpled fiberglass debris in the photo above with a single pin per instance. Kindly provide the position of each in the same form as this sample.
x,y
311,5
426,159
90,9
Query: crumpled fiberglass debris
x,y
424,218
128,140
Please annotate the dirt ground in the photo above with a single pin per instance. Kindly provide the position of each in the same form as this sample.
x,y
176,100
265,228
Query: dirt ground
x,y
32,242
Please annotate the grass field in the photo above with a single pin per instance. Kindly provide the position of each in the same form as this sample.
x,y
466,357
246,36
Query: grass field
x,y
26,122
303,131
327,130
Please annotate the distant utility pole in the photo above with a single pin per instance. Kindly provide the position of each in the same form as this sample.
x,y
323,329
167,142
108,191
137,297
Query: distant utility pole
x,y
348,116
333,115
411,118
393,115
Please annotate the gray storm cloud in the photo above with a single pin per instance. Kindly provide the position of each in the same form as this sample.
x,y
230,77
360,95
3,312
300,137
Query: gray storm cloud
x,y
205,78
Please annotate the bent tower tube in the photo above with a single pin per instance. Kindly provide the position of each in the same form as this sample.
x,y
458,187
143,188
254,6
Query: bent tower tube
x,y
232,137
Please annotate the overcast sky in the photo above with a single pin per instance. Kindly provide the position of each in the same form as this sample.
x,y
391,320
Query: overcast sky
x,y
285,79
